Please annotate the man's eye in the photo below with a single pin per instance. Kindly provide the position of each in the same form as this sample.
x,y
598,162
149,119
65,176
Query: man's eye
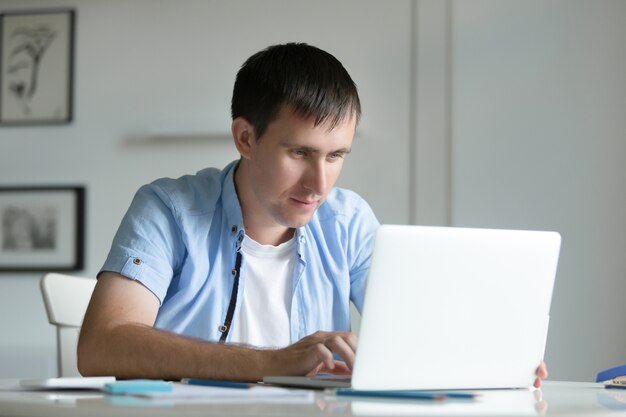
x,y
299,152
335,156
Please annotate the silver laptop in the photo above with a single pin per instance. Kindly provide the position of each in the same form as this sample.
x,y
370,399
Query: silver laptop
x,y
451,308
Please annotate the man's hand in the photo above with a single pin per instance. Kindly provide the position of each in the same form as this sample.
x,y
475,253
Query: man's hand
x,y
541,373
314,354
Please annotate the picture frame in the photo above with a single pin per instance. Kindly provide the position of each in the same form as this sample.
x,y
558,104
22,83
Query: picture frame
x,y
36,66
42,228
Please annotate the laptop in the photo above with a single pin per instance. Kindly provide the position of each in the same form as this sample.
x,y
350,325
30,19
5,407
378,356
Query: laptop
x,y
451,308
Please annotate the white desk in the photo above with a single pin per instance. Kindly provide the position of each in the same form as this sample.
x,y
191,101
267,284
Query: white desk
x,y
555,399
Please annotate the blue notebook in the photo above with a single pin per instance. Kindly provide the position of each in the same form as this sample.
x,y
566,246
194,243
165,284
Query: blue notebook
x,y
137,386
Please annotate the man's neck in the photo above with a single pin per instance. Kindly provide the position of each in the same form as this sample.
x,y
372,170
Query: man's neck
x,y
258,230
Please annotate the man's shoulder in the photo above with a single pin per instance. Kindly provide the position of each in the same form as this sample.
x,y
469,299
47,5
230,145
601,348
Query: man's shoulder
x,y
342,200
344,222
192,192
343,206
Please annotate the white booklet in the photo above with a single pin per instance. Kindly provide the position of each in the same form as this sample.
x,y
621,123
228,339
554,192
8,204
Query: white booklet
x,y
90,382
182,392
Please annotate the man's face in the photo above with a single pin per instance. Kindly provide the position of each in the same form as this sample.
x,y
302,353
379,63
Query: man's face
x,y
293,167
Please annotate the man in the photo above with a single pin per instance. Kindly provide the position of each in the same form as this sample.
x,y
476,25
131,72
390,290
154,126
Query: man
x,y
249,271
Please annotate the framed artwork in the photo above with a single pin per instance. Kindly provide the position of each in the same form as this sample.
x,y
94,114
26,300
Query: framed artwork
x,y
41,228
36,67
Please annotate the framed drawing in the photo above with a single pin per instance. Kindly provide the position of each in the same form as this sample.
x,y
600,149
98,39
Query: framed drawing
x,y
36,67
41,228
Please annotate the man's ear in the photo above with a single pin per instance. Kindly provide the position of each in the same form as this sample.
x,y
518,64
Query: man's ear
x,y
243,135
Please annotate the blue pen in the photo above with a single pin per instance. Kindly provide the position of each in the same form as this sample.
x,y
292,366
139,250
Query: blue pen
x,y
215,383
458,394
391,394
408,394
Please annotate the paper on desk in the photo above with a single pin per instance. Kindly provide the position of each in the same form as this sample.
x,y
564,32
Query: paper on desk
x,y
195,393
89,382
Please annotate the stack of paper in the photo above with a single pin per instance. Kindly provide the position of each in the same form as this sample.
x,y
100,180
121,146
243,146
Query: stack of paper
x,y
257,393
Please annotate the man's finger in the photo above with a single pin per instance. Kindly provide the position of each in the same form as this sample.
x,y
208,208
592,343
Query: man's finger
x,y
341,346
542,371
325,355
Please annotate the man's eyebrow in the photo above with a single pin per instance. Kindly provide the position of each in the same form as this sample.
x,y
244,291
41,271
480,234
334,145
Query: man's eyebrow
x,y
316,150
343,150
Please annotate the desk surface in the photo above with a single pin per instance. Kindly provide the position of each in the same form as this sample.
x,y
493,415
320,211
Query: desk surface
x,y
554,399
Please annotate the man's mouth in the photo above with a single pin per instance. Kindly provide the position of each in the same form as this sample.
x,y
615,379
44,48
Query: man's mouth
x,y
305,201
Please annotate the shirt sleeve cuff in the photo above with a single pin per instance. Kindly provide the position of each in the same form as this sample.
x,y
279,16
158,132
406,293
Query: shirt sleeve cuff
x,y
135,268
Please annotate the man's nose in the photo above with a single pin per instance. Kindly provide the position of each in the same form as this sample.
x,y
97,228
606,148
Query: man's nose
x,y
315,178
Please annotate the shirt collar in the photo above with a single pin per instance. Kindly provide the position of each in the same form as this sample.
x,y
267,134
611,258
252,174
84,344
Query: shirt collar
x,y
232,208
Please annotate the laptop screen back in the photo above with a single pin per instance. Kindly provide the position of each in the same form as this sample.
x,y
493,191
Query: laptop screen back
x,y
449,308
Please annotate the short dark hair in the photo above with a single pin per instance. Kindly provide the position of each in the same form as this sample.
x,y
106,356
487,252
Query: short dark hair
x,y
307,79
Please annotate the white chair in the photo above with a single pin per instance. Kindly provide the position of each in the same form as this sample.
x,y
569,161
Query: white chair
x,y
66,298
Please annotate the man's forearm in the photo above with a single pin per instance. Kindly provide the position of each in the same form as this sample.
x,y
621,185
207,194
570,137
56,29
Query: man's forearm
x,y
140,351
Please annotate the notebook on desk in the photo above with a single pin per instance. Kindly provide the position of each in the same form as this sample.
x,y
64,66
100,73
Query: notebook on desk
x,y
451,308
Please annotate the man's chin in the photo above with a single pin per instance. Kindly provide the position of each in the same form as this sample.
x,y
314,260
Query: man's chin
x,y
294,217
297,222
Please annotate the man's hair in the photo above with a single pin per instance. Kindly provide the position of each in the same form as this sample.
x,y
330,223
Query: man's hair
x,y
306,79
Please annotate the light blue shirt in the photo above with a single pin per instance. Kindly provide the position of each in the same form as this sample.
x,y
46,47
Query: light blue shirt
x,y
180,237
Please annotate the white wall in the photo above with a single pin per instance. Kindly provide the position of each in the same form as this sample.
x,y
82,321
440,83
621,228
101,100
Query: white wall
x,y
513,109
146,68
539,142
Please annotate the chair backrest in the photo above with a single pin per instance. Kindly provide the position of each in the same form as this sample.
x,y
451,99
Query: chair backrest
x,y
66,298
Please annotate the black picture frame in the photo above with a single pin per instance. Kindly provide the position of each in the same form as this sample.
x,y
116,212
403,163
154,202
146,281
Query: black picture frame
x,y
37,67
42,228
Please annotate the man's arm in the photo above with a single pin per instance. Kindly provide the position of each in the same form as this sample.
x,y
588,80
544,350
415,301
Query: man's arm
x,y
118,338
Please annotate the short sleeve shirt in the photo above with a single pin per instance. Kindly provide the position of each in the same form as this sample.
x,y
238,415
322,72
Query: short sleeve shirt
x,y
180,237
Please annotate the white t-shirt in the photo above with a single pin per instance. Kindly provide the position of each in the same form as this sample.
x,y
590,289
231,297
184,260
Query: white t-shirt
x,y
263,318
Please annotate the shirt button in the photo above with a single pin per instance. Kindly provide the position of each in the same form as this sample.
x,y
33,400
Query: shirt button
x,y
240,238
137,261
233,229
